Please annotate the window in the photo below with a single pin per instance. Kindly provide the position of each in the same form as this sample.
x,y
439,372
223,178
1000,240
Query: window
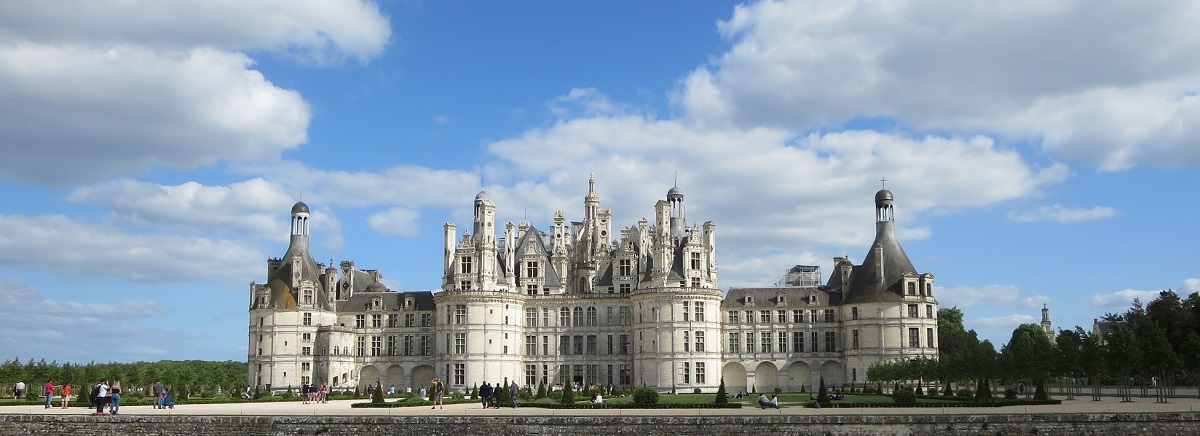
x,y
853,313
700,372
531,289
624,344
626,268
912,288
362,346
914,337
610,344
854,339
376,321
699,311
695,260
465,265
699,341
546,345
608,315
307,318
408,345
797,342
695,282
410,320
460,314
830,342
625,288
393,320
464,285
929,311
307,337
360,321
749,342
912,311
766,342
749,317
426,320
782,316
623,315
564,345
564,317
734,346
815,345
798,316
591,345
578,317
782,342
578,341
391,346
829,316
306,351
376,345
626,374
686,342
591,317
530,317
687,376
530,345
460,373
765,316
929,336
733,317
531,269
426,346
308,297
460,343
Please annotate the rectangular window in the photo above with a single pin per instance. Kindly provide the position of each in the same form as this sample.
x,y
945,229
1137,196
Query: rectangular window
x,y
815,345
307,318
764,316
700,373
564,317
782,316
929,311
797,342
460,373
734,345
546,345
307,337
531,269
695,260
465,265
531,317
700,311
686,373
695,282
912,311
626,374
733,317
699,341
626,268
830,342
409,346
798,316
426,320
531,289
625,288
749,342
391,346
578,342
306,351
749,317
912,288
914,337
853,313
460,314
685,311
460,343
854,339
376,345
610,344
530,345
623,315
392,320
591,317
376,321
608,315
546,316
625,344
686,342
766,342
426,346
410,320
362,346
464,285
564,345
591,345
829,315
929,336
782,342
360,321
530,376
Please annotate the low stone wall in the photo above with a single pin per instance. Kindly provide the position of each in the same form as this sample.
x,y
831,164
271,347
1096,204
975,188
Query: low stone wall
x,y
1158,424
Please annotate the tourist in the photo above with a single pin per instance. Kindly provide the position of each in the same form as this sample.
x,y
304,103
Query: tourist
x,y
102,397
513,390
485,394
66,395
19,390
764,403
157,390
49,391
437,389
497,392
598,399
114,404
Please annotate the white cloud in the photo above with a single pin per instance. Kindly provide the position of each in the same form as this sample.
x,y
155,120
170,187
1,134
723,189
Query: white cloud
x,y
78,248
1035,301
1002,322
1120,301
967,296
396,221
1062,214
1074,76
584,102
1190,285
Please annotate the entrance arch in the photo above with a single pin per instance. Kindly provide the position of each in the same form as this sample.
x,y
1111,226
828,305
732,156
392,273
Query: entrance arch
x,y
799,375
833,373
421,376
395,377
368,376
766,377
734,375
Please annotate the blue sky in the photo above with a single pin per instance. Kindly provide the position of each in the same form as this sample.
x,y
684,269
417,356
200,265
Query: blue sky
x,y
1039,152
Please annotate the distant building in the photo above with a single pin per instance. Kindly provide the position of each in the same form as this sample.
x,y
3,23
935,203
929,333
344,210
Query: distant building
x,y
576,303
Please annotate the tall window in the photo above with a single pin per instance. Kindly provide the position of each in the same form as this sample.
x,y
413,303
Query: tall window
x,y
912,311
734,345
376,345
854,339
591,345
700,311
766,342
564,345
764,316
685,310
460,314
465,264
360,321
830,342
308,297
782,342
578,317
460,373
307,318
798,316
362,346
530,317
686,342
929,338
929,311
686,373
699,341
531,269
733,317
608,315
782,316
797,342
623,315
695,260
578,344
409,347
625,344
829,316
391,346
426,346
700,372
914,337
393,319
426,320
530,375
376,321
749,317
912,288
530,345
591,317
853,313
749,342
460,343
564,317
626,374
626,268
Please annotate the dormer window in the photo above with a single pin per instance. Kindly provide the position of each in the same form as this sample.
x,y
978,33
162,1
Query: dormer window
x,y
912,288
749,299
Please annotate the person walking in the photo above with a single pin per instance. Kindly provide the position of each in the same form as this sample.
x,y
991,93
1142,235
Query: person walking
x,y
114,404
49,391
485,394
66,395
157,390
512,392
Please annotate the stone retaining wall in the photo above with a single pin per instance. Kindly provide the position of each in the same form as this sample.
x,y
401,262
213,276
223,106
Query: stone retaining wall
x,y
1158,424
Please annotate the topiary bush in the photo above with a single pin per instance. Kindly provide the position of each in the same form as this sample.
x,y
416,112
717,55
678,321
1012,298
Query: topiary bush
x,y
377,394
722,396
1010,394
905,397
645,396
568,396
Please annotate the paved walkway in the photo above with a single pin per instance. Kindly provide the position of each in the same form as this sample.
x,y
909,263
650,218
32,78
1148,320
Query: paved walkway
x,y
342,407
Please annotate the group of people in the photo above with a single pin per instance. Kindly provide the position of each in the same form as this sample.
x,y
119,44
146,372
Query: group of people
x,y
314,394
105,397
491,396
162,398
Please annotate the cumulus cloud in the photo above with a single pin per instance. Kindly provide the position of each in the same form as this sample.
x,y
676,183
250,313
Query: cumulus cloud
x,y
1068,75
83,249
1191,285
395,221
1062,214
1121,300
1035,301
967,296
1002,322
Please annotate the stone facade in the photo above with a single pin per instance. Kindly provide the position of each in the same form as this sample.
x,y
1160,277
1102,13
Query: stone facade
x,y
576,303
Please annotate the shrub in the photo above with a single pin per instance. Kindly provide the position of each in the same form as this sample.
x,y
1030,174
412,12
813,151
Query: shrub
x,y
645,396
541,393
722,396
288,394
1040,392
919,391
905,397
377,395
823,394
568,396
1010,394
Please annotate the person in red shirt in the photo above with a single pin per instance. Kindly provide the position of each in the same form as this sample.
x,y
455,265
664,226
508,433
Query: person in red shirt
x,y
49,392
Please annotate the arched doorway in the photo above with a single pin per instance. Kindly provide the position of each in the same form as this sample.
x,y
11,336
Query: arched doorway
x,y
833,373
766,377
421,376
368,376
799,375
395,377
734,375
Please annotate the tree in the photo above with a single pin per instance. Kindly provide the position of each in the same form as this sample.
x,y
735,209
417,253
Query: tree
x,y
568,396
377,395
1069,349
1121,358
1028,354
541,392
722,396
823,394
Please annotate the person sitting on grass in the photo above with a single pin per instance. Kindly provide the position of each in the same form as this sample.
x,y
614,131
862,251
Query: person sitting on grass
x,y
764,403
598,399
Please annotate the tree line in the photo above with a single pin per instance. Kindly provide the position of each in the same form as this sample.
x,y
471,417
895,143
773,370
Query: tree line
x,y
1151,347
198,377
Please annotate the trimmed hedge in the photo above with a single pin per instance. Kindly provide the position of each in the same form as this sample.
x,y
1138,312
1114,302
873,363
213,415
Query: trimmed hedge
x,y
1030,402
633,406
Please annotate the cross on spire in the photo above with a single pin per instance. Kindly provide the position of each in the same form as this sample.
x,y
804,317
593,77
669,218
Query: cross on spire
x,y
884,182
